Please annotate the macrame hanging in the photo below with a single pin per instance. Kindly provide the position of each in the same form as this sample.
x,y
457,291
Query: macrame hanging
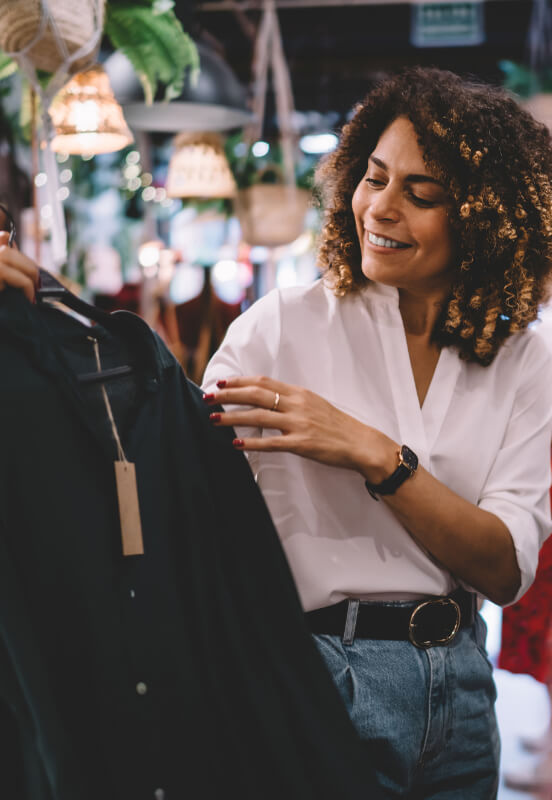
x,y
272,214
61,37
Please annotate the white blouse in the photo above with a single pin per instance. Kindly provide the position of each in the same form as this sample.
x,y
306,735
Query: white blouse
x,y
485,432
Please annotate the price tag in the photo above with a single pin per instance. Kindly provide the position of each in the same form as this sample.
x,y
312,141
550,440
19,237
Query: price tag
x,y
129,508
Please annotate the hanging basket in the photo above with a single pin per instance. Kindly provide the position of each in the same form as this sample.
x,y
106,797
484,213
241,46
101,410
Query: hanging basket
x,y
73,23
271,214
199,168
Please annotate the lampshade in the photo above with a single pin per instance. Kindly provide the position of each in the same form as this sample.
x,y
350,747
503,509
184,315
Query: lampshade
x,y
199,168
87,118
52,33
217,102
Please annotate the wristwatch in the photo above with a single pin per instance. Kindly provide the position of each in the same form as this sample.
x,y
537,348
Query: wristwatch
x,y
408,464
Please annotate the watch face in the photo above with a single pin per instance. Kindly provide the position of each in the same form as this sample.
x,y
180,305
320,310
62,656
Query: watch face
x,y
409,458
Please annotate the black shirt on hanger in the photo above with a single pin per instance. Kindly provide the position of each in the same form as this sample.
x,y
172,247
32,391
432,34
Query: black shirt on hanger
x,y
187,672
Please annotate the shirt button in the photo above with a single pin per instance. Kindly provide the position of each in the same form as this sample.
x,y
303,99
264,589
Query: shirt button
x,y
141,687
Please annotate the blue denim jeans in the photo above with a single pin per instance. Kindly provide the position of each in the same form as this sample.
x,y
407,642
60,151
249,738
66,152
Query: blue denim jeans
x,y
426,716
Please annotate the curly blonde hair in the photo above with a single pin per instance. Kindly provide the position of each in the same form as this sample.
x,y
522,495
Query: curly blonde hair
x,y
496,162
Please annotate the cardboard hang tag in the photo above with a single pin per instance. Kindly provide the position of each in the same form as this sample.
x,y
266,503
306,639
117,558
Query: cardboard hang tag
x,y
129,508
125,478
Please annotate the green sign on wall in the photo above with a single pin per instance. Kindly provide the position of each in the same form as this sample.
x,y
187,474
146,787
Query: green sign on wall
x,y
447,24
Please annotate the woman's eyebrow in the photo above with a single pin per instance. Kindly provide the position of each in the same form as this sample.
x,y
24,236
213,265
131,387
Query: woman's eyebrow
x,y
412,178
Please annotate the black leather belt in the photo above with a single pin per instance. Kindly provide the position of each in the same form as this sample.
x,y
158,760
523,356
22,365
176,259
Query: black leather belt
x,y
426,623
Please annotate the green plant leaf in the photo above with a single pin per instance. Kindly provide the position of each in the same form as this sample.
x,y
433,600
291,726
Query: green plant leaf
x,y
7,66
156,45
520,79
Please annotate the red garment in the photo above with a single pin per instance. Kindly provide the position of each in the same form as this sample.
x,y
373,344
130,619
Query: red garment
x,y
527,626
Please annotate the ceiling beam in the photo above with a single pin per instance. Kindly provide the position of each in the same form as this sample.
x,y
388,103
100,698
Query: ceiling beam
x,y
246,5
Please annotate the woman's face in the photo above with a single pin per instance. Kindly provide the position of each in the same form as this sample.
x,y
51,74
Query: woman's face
x,y
401,216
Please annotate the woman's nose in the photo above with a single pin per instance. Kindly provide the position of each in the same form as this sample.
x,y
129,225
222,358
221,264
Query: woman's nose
x,y
385,204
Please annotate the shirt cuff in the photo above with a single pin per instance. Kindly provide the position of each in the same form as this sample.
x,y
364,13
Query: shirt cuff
x,y
526,536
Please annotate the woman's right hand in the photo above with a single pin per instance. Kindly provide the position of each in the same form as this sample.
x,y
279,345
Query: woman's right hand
x,y
17,269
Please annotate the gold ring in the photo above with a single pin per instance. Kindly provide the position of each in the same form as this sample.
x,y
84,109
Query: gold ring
x,y
276,401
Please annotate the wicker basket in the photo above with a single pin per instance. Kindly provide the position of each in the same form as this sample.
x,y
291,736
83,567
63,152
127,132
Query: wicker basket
x,y
271,214
76,22
199,168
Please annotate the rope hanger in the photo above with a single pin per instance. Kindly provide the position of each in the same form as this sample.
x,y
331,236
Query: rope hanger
x,y
269,52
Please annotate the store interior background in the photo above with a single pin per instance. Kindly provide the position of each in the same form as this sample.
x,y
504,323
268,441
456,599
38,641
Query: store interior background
x,y
182,262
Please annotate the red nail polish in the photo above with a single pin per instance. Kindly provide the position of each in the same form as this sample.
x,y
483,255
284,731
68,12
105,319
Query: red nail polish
x,y
221,384
238,442
208,398
215,417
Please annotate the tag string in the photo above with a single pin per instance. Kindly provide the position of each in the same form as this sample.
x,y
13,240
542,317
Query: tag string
x,y
120,451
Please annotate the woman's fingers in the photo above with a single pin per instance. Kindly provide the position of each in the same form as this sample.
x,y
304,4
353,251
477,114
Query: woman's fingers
x,y
259,381
259,391
309,426
267,443
17,270
250,395
18,279
254,418
17,260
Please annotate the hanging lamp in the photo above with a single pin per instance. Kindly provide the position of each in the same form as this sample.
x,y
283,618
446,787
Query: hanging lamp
x,y
52,34
61,38
216,102
87,118
199,167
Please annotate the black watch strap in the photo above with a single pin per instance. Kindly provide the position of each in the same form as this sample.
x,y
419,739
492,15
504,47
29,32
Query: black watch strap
x,y
408,464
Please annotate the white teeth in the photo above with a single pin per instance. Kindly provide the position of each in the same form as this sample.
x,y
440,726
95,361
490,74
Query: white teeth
x,y
381,242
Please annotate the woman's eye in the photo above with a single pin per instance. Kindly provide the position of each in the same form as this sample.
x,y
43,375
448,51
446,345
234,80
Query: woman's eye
x,y
374,182
421,201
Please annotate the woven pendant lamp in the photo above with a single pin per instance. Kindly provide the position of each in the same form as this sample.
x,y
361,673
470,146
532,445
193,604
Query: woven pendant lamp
x,y
87,118
199,167
50,33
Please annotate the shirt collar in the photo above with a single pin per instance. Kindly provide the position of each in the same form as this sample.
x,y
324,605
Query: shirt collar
x,y
22,321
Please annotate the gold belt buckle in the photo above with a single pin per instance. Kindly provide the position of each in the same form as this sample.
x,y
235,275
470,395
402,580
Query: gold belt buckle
x,y
412,625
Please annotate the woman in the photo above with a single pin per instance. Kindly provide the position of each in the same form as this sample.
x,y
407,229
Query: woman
x,y
409,368
408,372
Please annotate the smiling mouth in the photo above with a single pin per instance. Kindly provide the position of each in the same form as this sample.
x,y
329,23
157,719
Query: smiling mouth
x,y
380,241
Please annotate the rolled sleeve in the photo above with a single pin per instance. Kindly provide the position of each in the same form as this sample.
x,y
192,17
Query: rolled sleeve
x,y
517,487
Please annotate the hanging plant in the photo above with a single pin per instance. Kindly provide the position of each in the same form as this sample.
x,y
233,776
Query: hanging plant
x,y
524,81
151,36
149,33
250,169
